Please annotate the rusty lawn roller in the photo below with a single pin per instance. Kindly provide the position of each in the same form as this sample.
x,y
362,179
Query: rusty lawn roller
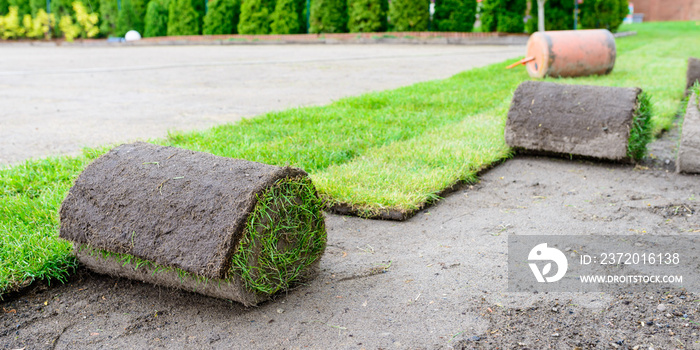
x,y
569,53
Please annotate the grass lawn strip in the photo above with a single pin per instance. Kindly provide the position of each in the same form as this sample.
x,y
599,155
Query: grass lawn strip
x,y
396,180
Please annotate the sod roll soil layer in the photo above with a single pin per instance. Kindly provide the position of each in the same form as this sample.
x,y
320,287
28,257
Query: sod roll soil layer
x,y
589,121
224,227
689,149
693,73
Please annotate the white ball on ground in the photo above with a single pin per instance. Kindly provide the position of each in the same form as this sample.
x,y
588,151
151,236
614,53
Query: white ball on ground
x,y
132,35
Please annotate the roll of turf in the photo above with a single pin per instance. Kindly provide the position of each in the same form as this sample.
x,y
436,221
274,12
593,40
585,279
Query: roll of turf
x,y
223,227
592,121
692,74
689,148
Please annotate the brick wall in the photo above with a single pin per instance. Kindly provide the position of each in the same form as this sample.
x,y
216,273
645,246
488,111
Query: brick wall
x,y
668,10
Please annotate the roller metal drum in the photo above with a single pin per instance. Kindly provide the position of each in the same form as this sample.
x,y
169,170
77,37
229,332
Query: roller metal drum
x,y
570,53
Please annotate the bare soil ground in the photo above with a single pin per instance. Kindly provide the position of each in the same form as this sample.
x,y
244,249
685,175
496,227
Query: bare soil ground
x,y
436,281
57,100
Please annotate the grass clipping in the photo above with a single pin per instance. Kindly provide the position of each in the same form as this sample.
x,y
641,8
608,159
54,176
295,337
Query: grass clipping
x,y
283,240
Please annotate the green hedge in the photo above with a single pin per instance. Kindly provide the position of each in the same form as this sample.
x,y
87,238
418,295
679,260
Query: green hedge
x,y
285,19
607,14
200,6
131,16
454,15
409,15
255,17
59,7
36,5
328,16
186,17
367,15
504,16
23,7
156,18
558,15
183,19
301,15
222,17
108,17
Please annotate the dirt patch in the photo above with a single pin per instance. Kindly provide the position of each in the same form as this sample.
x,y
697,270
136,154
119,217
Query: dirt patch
x,y
171,206
664,320
591,121
675,210
427,282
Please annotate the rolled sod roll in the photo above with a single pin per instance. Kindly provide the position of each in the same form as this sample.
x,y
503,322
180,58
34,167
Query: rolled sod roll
x,y
591,121
223,227
693,73
689,149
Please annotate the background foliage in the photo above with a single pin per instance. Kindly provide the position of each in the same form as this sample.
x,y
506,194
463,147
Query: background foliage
x,y
328,16
607,14
454,15
558,15
367,15
503,16
192,17
156,18
222,17
255,17
409,15
183,19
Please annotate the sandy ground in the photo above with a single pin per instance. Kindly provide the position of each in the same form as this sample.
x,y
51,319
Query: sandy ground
x,y
57,100
435,281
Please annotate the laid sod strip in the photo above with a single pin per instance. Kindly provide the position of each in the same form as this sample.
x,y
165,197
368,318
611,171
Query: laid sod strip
x,y
590,121
252,229
395,181
689,148
320,138
30,195
315,138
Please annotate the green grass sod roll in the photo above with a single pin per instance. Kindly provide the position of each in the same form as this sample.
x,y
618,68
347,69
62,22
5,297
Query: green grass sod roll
x,y
602,122
223,227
